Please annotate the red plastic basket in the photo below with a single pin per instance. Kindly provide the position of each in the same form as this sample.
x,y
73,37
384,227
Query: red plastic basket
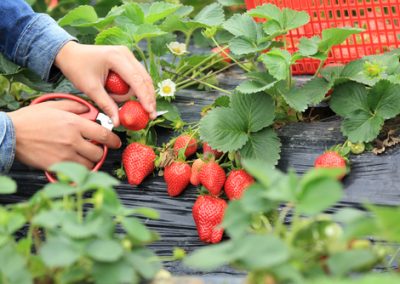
x,y
380,18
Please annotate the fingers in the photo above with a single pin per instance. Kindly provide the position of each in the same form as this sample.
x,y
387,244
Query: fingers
x,y
90,151
66,105
121,98
95,132
104,101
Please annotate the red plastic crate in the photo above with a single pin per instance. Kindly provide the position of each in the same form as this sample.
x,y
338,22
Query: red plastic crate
x,y
380,18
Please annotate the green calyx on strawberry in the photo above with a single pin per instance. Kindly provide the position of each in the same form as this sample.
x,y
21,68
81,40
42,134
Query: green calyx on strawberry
x,y
208,213
187,143
138,161
115,84
236,183
331,160
133,116
212,177
177,177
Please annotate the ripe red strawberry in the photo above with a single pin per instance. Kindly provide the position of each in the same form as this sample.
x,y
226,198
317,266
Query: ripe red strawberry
x,y
133,116
330,159
207,151
208,213
138,161
212,176
196,167
185,141
223,54
177,177
236,183
115,84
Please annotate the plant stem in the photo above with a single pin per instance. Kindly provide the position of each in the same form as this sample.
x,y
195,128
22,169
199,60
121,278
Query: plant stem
x,y
211,56
142,56
228,55
188,36
321,64
206,84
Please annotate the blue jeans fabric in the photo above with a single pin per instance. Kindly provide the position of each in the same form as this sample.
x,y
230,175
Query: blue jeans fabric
x,y
30,40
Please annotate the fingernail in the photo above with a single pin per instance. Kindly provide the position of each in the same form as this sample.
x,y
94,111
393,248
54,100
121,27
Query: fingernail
x,y
120,144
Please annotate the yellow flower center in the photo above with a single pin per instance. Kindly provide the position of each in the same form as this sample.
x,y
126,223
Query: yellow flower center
x,y
177,50
166,89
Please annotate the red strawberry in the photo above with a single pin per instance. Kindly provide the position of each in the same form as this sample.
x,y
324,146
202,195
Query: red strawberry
x,y
177,177
236,183
196,167
330,159
138,161
212,176
133,116
223,54
185,141
115,84
208,213
208,151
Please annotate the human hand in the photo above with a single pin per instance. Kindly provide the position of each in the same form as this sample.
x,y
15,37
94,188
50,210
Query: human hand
x,y
87,67
51,132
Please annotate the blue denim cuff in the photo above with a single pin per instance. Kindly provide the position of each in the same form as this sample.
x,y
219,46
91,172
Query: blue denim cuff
x,y
7,143
39,43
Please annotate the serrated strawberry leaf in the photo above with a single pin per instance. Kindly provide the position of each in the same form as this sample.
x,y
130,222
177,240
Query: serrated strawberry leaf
x,y
7,67
257,110
384,99
211,15
263,145
362,126
79,16
172,113
349,97
158,11
222,129
309,46
145,31
114,36
334,36
257,82
242,46
277,61
266,11
133,13
242,26
311,93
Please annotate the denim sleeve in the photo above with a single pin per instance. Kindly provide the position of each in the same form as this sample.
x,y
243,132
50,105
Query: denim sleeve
x,y
30,39
7,143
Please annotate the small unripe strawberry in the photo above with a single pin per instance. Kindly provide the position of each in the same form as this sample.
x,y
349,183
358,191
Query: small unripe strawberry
x,y
115,84
133,116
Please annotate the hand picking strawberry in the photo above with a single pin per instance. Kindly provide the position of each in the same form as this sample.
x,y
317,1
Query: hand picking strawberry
x,y
236,183
133,116
208,213
138,162
177,177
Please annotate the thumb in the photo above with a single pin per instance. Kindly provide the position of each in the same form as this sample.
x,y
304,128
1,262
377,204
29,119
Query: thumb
x,y
66,105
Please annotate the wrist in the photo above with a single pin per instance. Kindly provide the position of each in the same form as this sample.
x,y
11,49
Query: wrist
x,y
65,53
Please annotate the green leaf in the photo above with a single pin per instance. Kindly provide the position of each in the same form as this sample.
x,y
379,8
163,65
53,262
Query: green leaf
x,y
100,180
113,36
134,13
362,126
349,97
267,11
342,263
83,14
49,219
257,110
119,272
146,31
176,23
57,190
242,46
7,185
59,253
263,172
236,219
136,229
277,61
211,15
145,262
242,26
147,212
73,171
173,113
105,250
77,230
318,195
13,266
264,145
385,218
294,19
158,11
222,130
309,46
7,67
258,82
312,92
384,99
334,36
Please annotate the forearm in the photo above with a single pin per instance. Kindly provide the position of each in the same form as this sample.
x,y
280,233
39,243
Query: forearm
x,y
7,143
30,39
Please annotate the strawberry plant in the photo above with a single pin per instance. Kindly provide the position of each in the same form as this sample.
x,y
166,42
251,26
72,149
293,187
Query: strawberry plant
x,y
62,244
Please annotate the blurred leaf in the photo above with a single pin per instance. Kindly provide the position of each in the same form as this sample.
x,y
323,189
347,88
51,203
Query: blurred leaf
x,y
114,36
119,272
210,15
13,266
242,26
342,263
7,185
105,250
73,171
83,14
136,229
158,11
145,262
59,253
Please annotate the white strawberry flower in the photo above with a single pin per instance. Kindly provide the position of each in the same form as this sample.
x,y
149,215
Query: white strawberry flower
x,y
177,48
166,88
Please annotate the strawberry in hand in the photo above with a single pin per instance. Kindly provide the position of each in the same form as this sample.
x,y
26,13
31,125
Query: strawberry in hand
x,y
115,84
236,183
138,162
133,116
185,141
212,177
177,177
208,213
